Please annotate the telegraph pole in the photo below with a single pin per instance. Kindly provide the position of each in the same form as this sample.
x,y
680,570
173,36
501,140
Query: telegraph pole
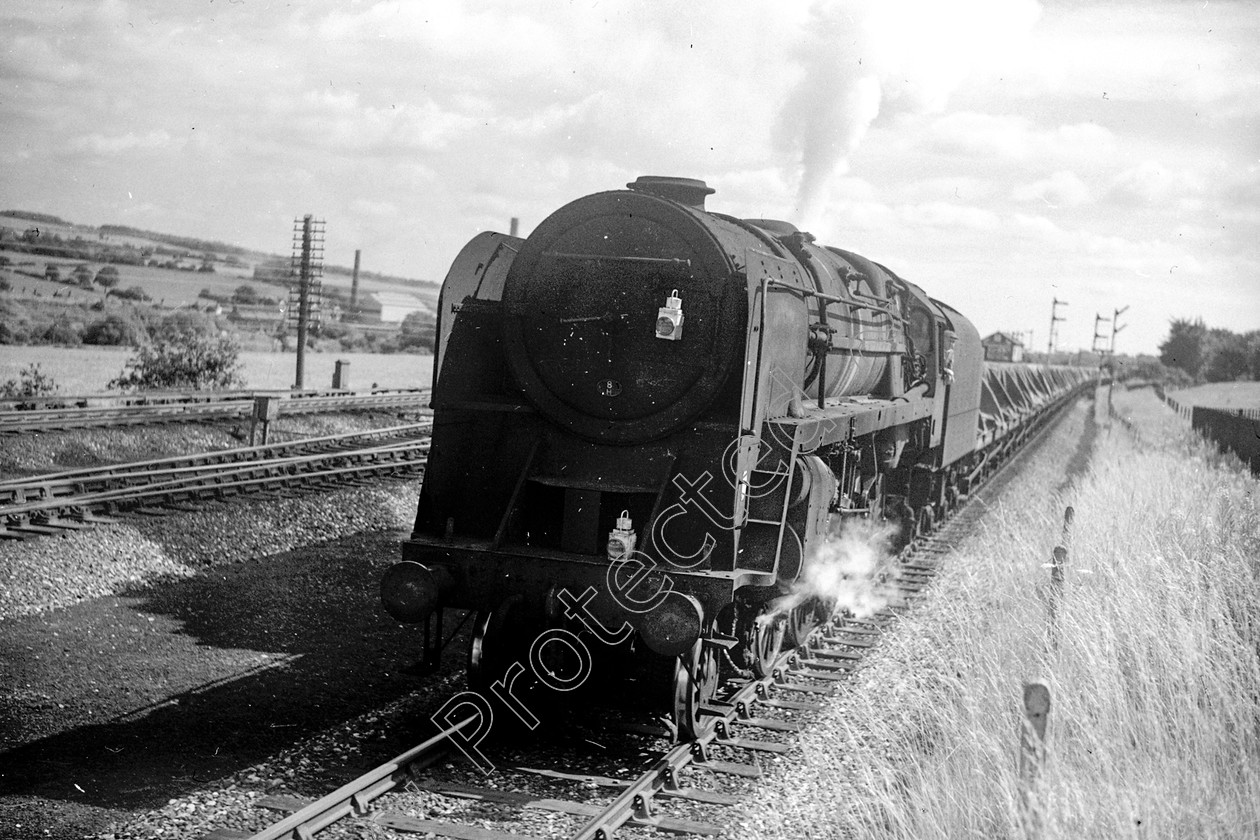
x,y
308,269
1054,319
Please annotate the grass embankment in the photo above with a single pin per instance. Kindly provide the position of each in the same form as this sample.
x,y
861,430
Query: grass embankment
x,y
1153,665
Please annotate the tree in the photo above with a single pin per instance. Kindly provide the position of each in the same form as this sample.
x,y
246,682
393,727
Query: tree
x,y
245,294
417,330
1226,357
52,273
1150,369
187,361
1185,345
111,330
108,277
82,274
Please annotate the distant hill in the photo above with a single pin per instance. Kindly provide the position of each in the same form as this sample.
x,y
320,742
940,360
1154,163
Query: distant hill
x,y
189,242
34,217
72,245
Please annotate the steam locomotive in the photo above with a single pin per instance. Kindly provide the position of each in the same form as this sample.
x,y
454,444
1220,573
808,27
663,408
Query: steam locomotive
x,y
649,417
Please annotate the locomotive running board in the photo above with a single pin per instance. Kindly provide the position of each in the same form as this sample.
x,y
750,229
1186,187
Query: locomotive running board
x,y
846,418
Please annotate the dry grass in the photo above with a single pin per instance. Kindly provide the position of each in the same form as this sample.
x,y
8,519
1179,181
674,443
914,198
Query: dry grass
x,y
1152,664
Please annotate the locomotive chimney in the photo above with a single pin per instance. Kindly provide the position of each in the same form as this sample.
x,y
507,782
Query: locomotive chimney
x,y
689,191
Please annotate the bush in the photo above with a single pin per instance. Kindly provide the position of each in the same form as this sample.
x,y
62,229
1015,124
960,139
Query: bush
x,y
182,361
31,382
107,277
132,293
61,331
111,330
5,285
14,333
184,322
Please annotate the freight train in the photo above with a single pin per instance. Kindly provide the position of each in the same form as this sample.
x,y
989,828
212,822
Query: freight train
x,y
648,419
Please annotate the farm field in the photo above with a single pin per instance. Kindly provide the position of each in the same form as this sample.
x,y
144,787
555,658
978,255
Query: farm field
x,y
175,288
78,370
1222,395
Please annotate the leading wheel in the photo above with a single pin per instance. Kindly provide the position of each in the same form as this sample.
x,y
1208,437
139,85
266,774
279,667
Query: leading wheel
x,y
500,637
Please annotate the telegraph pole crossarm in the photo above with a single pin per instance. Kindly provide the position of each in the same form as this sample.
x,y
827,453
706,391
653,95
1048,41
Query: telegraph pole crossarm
x,y
1099,319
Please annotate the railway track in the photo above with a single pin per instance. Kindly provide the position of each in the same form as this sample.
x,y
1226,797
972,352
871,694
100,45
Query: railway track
x,y
66,413
66,501
751,720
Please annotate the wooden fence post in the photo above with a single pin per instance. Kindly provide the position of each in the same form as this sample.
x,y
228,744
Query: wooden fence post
x,y
1032,751
1056,571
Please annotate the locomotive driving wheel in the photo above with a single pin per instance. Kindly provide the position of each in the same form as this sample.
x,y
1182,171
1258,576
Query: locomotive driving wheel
x,y
696,678
761,635
803,618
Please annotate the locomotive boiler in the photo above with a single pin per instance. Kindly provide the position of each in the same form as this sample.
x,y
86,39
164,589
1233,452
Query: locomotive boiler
x,y
649,416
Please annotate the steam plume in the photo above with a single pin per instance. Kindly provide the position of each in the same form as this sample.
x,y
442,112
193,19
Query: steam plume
x,y
846,571
861,58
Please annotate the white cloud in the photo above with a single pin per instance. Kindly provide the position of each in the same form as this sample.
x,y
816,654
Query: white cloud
x,y
1151,181
941,214
34,58
1062,189
102,144
1017,138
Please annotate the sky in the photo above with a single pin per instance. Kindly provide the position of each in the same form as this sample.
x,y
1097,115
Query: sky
x,y
998,153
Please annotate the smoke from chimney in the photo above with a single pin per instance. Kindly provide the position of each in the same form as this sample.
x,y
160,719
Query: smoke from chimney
x,y
867,58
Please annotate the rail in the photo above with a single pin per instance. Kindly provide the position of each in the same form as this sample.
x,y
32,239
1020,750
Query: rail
x,y
91,412
50,504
